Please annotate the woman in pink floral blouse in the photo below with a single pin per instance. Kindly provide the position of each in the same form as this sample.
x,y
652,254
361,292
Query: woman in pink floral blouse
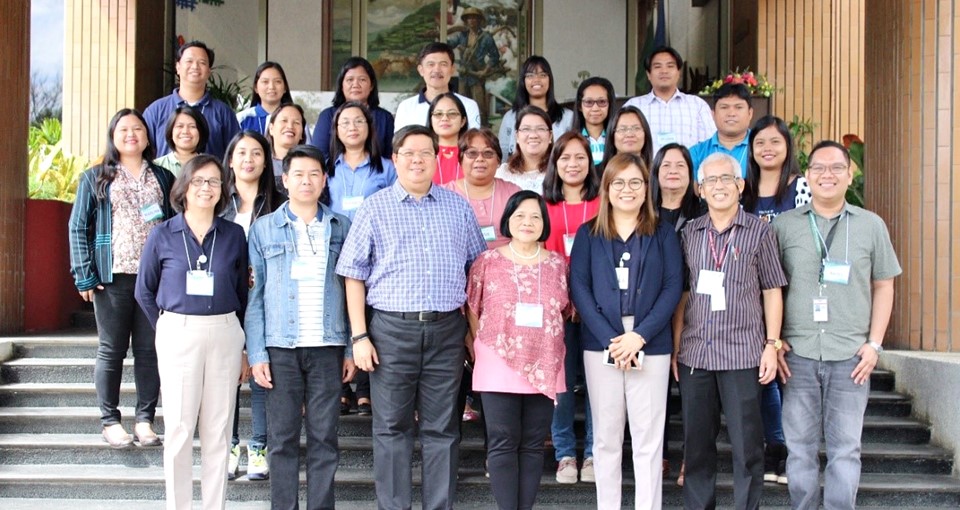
x,y
517,298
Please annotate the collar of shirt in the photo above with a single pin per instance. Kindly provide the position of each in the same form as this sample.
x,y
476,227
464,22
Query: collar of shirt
x,y
340,161
847,209
178,223
258,108
586,134
422,97
293,217
704,221
652,97
202,102
715,141
402,194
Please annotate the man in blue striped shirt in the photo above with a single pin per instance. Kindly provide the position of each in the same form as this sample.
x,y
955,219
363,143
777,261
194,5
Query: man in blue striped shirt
x,y
406,261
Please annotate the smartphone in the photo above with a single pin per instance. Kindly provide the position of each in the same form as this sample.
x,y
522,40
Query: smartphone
x,y
609,361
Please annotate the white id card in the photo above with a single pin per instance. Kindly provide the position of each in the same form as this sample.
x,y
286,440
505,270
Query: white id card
x,y
351,203
836,272
718,301
665,137
529,315
151,212
623,277
199,283
301,270
710,282
820,313
568,243
489,233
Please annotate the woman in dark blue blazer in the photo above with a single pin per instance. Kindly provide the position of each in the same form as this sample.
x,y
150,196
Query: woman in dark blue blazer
x,y
626,281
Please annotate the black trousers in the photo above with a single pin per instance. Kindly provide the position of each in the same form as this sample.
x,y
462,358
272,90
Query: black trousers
x,y
517,425
703,394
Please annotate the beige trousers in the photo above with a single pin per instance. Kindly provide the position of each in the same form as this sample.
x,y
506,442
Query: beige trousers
x,y
615,397
199,362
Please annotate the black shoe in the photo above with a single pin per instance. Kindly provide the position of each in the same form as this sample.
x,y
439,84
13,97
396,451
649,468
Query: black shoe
x,y
771,458
364,409
345,406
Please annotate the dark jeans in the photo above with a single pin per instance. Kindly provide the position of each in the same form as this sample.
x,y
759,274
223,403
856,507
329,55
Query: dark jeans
x,y
516,427
421,364
703,393
771,407
119,318
304,378
258,417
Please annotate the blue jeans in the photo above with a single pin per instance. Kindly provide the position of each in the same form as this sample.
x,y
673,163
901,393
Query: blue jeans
x,y
258,418
772,411
564,438
306,391
821,395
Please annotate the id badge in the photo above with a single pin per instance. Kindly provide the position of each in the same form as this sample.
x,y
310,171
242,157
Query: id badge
x,y
666,137
151,212
529,315
836,272
623,277
199,283
820,313
568,243
489,233
301,270
710,282
718,301
351,203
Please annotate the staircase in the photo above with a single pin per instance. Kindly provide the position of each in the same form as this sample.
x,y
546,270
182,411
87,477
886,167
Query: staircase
x,y
51,450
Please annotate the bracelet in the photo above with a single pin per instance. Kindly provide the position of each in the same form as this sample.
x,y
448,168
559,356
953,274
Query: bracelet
x,y
359,338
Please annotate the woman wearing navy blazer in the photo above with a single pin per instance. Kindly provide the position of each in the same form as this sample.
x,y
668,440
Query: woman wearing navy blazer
x,y
626,280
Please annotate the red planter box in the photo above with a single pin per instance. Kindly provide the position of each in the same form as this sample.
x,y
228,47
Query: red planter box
x,y
50,297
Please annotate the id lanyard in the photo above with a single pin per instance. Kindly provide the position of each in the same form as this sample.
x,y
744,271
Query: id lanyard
x,y
566,224
492,199
456,171
363,183
719,258
202,259
823,245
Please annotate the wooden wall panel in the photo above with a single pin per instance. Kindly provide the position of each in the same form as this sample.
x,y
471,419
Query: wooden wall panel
x,y
15,110
913,151
813,52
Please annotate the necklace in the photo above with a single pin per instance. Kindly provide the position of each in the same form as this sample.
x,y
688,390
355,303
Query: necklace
x,y
525,257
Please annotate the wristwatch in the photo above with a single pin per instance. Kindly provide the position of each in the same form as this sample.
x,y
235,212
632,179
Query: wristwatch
x,y
877,347
776,343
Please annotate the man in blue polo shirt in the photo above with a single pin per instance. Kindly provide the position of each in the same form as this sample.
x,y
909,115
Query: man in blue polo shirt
x,y
194,61
732,113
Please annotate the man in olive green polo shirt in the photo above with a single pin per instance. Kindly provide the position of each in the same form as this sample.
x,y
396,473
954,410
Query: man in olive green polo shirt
x,y
840,264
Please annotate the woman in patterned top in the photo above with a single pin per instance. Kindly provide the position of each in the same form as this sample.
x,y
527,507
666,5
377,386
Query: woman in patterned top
x,y
517,302
118,203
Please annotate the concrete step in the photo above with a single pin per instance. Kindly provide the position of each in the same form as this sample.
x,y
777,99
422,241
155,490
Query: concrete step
x,y
357,452
77,343
106,481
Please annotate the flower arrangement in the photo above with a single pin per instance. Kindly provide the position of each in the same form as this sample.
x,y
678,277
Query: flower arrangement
x,y
756,83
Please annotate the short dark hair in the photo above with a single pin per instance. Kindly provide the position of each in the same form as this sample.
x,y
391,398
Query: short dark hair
x,y
553,185
178,193
197,117
309,151
414,129
647,62
484,133
285,98
514,202
373,100
435,47
196,44
460,108
732,90
825,144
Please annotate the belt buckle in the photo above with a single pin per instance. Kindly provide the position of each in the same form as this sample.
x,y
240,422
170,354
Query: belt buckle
x,y
426,316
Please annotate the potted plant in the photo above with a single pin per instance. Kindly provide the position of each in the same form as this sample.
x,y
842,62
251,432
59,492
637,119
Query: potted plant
x,y
49,294
760,88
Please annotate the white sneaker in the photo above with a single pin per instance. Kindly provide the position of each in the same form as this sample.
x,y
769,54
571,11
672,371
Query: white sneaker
x,y
257,466
234,462
567,470
586,471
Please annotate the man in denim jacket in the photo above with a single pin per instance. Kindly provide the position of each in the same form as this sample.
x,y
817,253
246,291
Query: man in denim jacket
x,y
297,331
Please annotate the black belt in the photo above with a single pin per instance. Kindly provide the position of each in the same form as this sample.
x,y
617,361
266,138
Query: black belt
x,y
419,316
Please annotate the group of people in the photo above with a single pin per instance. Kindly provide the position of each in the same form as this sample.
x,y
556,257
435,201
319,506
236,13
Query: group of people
x,y
684,247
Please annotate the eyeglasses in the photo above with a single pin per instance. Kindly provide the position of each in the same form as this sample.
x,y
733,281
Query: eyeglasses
x,y
821,169
628,130
541,75
634,184
476,153
533,129
714,179
449,115
355,123
214,182
602,103
425,154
